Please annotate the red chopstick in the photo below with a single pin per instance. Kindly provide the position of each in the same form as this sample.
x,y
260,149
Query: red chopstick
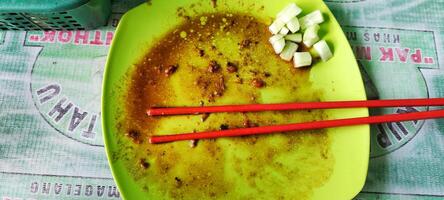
x,y
299,126
296,106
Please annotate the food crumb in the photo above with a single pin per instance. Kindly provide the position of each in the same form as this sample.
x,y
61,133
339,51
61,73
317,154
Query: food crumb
x,y
238,79
245,43
193,143
135,136
213,86
254,72
171,69
248,124
224,127
204,117
201,52
231,67
213,66
144,164
257,82
178,181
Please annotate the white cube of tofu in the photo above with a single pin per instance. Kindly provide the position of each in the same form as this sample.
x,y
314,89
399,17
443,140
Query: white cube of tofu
x,y
279,45
284,31
276,26
301,59
309,41
295,37
275,38
292,10
311,35
323,50
288,51
312,18
293,25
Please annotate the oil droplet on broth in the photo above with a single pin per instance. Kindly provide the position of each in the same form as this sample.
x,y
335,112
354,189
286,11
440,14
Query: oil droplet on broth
x,y
183,34
225,168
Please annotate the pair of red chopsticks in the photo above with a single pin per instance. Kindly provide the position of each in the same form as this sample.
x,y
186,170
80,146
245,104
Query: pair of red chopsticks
x,y
298,126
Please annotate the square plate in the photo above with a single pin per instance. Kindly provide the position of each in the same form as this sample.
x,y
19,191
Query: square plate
x,y
338,79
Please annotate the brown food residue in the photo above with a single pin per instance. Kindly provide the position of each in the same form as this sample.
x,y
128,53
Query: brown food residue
x,y
257,82
179,71
248,124
171,69
201,52
245,43
143,163
231,67
213,67
193,143
204,117
135,136
224,127
211,86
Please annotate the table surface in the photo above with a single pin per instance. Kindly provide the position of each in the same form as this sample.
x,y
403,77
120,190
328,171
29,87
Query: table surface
x,y
51,145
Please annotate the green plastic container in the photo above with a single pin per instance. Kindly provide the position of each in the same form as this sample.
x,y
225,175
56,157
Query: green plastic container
x,y
53,14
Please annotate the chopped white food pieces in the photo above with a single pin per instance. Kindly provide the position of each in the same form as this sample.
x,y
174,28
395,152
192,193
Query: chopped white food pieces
x,y
275,38
284,31
301,59
279,45
295,37
292,10
311,35
293,25
276,26
288,51
290,31
323,50
310,19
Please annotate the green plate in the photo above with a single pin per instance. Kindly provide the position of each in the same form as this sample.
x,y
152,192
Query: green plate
x,y
338,79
